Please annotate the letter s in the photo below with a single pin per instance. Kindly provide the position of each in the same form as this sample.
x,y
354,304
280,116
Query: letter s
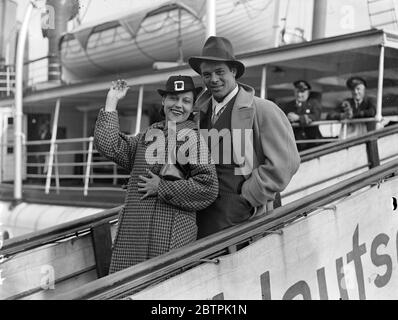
x,y
381,259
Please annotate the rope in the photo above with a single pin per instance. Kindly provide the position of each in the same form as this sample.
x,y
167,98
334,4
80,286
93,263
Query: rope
x,y
247,2
248,7
228,13
142,51
158,28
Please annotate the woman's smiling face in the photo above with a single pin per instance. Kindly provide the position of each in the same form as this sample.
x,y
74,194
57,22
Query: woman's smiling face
x,y
178,106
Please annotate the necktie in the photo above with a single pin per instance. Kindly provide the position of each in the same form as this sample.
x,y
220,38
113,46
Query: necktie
x,y
217,115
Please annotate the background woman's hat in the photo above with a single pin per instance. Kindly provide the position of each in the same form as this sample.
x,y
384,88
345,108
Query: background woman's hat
x,y
217,49
354,81
180,84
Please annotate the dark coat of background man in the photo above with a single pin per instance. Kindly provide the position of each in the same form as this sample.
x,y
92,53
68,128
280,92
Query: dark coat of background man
x,y
359,106
302,111
271,153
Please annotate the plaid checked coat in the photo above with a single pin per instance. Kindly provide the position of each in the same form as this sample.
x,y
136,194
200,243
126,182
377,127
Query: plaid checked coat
x,y
155,225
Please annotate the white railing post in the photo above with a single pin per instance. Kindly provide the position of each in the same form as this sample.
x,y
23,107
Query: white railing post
x,y
8,80
344,128
263,94
379,114
7,62
88,165
52,148
114,182
56,168
211,21
139,110
276,25
19,103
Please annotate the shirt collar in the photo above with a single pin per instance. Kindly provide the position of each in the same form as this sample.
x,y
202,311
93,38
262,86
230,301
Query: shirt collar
x,y
218,105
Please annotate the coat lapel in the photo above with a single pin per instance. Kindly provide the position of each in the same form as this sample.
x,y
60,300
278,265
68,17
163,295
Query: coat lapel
x,y
242,119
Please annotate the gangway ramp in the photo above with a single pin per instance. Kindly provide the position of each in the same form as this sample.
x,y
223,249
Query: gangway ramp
x,y
308,244
79,251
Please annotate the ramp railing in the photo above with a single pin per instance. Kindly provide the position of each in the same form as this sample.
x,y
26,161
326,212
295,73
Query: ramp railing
x,y
72,231
133,279
53,234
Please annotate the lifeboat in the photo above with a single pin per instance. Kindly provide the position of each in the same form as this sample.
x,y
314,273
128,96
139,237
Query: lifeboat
x,y
170,32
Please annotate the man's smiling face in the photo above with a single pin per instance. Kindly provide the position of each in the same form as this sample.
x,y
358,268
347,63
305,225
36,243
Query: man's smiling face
x,y
219,78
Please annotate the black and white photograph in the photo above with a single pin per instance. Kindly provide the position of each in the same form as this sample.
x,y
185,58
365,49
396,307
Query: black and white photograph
x,y
192,156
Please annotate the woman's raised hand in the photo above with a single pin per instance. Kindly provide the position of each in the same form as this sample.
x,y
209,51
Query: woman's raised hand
x,y
117,92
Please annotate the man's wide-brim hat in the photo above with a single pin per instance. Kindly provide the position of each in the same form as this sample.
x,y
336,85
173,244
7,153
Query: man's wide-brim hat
x,y
353,82
217,49
180,84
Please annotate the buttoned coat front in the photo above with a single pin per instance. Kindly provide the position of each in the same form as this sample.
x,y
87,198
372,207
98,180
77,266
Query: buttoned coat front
x,y
157,224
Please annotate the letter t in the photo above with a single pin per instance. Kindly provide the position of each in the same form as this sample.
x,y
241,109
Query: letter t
x,y
355,255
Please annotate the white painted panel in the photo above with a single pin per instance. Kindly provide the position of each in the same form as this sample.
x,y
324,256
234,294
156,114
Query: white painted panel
x,y
308,191
31,270
70,263
328,166
304,260
388,147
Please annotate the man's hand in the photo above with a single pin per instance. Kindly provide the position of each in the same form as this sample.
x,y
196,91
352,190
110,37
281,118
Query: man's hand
x,y
117,92
293,117
150,185
307,120
349,114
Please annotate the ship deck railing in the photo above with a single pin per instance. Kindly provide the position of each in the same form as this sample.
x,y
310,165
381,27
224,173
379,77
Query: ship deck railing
x,y
78,166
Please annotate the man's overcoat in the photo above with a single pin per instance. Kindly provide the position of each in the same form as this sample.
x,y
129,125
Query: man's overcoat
x,y
269,150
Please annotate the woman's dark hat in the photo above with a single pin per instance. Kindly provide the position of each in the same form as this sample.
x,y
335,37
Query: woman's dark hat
x,y
217,49
180,84
302,85
353,82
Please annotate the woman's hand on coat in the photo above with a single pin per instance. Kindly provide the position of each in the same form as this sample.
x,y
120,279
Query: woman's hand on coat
x,y
150,185
117,92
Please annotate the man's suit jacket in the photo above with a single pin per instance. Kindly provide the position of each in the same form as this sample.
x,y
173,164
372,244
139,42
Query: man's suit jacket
x,y
275,159
311,108
367,109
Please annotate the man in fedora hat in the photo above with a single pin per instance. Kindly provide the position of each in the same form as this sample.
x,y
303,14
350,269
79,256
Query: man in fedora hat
x,y
270,155
303,110
359,106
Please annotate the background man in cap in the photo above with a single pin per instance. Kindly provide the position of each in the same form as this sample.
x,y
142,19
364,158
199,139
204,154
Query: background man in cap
x,y
359,106
272,152
302,111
